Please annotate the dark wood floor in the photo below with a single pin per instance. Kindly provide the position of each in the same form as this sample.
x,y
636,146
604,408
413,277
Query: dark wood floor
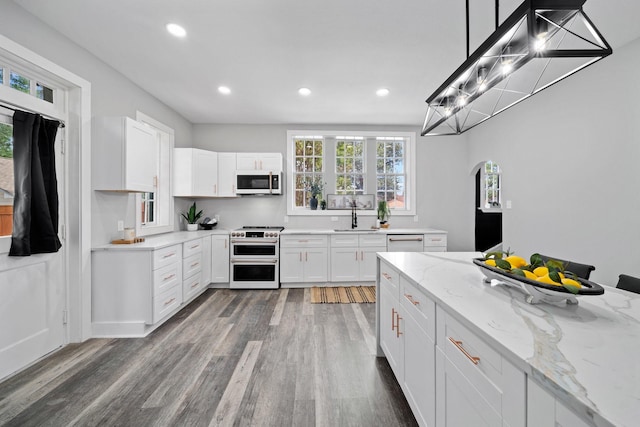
x,y
230,358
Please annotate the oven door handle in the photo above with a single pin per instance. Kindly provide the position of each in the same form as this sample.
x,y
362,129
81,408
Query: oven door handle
x,y
253,242
254,261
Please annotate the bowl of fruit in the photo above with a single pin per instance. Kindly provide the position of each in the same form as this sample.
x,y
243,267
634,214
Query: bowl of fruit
x,y
542,281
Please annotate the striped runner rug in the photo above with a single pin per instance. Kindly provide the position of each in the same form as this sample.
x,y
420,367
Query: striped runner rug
x,y
343,294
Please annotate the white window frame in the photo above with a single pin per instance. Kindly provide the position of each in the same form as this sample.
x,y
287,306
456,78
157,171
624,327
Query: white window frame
x,y
484,188
164,220
370,177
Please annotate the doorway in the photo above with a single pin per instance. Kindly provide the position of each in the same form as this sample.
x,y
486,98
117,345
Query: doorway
x,y
488,223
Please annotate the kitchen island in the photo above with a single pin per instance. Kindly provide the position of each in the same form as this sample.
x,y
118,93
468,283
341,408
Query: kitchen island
x,y
535,365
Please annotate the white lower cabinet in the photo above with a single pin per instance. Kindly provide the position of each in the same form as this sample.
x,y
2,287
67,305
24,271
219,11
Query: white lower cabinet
x,y
192,283
303,259
449,376
543,409
407,327
207,260
474,382
220,258
353,256
133,290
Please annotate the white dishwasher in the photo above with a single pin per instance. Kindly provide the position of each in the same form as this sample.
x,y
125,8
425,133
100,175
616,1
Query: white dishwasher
x,y
405,243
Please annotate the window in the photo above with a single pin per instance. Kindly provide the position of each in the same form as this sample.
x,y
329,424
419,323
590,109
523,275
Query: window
x,y
19,82
26,84
492,196
390,171
148,209
309,166
6,175
351,163
154,211
43,92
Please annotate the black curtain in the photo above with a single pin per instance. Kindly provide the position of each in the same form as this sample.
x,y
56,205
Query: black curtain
x,y
35,205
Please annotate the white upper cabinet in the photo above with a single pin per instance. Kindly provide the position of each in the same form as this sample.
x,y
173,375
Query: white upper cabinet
x,y
195,173
270,162
125,155
226,174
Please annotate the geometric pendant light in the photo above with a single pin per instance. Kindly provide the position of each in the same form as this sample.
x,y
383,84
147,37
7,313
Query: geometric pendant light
x,y
539,44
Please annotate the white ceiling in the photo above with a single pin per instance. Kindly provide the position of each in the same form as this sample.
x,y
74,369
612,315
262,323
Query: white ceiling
x,y
264,50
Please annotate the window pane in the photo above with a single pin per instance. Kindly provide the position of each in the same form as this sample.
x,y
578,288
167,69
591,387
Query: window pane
x,y
6,179
1,75
309,167
350,178
44,93
391,173
19,82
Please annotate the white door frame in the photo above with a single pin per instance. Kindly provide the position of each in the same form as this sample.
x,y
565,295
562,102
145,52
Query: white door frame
x,y
78,182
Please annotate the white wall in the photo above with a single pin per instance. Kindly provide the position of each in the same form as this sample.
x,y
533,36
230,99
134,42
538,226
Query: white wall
x,y
570,157
112,95
441,167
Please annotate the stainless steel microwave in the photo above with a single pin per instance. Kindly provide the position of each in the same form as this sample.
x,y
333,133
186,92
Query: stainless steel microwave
x,y
258,182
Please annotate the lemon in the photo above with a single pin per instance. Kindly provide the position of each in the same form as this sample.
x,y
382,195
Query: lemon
x,y
516,261
491,262
529,275
548,280
541,271
571,282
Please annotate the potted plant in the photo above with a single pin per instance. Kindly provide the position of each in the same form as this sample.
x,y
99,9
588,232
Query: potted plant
x,y
192,217
315,188
383,213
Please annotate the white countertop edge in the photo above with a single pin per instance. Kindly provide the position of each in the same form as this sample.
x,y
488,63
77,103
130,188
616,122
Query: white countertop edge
x,y
160,241
585,408
292,231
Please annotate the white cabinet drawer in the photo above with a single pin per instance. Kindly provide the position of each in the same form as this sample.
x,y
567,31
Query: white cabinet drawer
x,y
192,286
389,278
191,247
346,240
166,302
303,241
372,240
500,383
437,240
166,256
166,277
191,265
421,308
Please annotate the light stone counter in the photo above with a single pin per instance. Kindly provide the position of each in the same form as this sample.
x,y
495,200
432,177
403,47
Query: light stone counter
x,y
587,355
163,240
288,231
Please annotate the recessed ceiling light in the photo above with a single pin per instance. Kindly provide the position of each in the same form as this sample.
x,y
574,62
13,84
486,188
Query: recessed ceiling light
x,y
224,90
176,30
382,92
304,91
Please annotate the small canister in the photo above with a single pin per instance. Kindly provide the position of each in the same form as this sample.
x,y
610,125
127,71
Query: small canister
x,y
129,234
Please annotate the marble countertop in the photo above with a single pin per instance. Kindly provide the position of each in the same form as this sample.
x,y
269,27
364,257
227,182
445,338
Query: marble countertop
x,y
163,240
288,231
587,355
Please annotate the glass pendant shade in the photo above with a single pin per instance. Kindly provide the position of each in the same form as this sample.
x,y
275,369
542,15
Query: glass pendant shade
x,y
539,44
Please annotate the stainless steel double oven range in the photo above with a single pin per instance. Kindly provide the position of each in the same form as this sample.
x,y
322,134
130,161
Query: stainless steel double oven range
x,y
255,257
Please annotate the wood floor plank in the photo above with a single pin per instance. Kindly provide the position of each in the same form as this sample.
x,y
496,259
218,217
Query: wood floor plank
x,y
365,328
277,311
230,402
232,357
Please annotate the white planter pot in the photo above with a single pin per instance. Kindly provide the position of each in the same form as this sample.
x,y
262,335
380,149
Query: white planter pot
x,y
192,227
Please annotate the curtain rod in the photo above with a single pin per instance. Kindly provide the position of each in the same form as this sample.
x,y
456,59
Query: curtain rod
x,y
14,108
